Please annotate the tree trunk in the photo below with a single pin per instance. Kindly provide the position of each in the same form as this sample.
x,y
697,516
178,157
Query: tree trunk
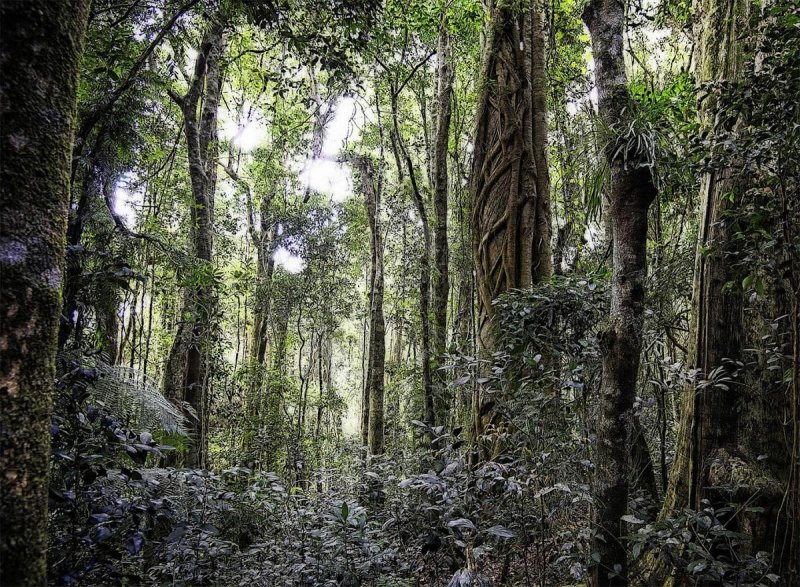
x,y
738,418
707,422
510,223
377,342
632,191
106,308
264,239
542,248
91,183
200,129
40,53
441,284
425,260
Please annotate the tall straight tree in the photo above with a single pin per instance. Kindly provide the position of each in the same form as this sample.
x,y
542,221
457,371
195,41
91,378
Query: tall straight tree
x,y
631,193
40,52
185,376
542,248
403,157
441,277
510,220
372,421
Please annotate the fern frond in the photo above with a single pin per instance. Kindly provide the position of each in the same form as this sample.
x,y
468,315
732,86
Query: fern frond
x,y
132,396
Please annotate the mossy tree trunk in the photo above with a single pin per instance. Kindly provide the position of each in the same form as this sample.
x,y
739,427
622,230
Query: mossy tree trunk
x,y
631,193
734,416
707,422
40,52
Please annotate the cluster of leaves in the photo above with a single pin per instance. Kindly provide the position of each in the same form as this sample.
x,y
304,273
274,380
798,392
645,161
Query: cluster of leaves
x,y
425,512
98,500
327,32
701,548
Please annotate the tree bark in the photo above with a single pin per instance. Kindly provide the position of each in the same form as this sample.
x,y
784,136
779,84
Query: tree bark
x,y
200,129
707,422
510,223
738,419
441,282
632,191
542,252
377,327
40,53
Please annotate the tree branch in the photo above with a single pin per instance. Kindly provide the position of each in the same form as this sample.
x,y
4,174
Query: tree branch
x,y
91,120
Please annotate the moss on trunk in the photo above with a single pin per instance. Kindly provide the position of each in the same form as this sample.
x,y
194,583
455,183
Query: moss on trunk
x,y
40,51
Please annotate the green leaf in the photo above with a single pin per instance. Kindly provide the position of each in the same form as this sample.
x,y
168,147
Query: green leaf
x,y
461,523
501,532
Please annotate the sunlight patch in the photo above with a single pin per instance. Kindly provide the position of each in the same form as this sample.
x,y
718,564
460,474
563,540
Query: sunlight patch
x,y
288,260
328,177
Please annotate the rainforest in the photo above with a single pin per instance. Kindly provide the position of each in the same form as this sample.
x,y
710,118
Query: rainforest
x,y
400,293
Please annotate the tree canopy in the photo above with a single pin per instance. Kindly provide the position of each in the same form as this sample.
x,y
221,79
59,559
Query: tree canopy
x,y
390,292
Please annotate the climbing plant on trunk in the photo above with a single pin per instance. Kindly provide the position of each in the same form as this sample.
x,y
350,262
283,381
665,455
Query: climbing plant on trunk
x,y
510,220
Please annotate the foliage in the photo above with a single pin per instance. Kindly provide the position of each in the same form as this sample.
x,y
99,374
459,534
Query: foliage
x,y
98,498
289,496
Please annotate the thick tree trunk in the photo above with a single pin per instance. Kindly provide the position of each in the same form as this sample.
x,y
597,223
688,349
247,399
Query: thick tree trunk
x,y
510,223
377,329
632,191
737,419
200,129
40,51
707,422
441,283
